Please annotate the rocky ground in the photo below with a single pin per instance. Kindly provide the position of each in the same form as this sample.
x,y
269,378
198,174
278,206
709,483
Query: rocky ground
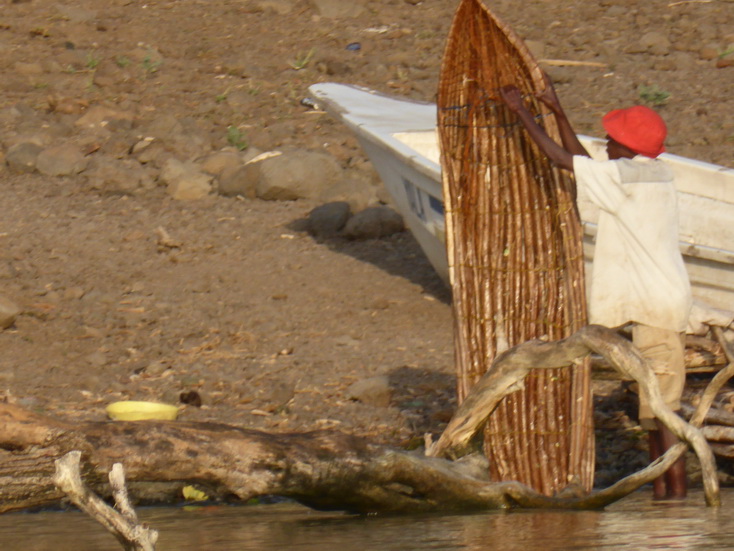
x,y
147,258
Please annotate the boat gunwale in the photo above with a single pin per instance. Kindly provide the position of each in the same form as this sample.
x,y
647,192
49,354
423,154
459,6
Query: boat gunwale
x,y
383,137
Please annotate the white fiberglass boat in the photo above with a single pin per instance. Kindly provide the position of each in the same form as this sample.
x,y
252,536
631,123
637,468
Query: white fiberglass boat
x,y
399,136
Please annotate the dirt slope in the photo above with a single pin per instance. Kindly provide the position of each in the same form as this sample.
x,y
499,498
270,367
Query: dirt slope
x,y
268,325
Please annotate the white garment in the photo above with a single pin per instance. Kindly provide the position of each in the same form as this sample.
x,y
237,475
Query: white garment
x,y
638,273
704,316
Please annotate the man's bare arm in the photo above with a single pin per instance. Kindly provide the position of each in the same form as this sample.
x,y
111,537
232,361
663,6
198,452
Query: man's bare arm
x,y
557,154
568,137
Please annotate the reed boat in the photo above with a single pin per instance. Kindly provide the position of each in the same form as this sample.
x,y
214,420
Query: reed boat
x,y
399,136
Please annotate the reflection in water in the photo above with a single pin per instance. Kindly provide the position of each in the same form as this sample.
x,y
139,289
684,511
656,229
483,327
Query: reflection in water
x,y
635,523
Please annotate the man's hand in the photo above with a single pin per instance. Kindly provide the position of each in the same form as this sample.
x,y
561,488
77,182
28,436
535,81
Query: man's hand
x,y
557,154
549,97
513,98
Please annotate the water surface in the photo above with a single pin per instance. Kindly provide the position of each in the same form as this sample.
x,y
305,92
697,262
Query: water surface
x,y
635,523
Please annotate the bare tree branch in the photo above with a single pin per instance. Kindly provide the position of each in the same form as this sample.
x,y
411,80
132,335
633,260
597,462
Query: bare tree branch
x,y
123,525
506,374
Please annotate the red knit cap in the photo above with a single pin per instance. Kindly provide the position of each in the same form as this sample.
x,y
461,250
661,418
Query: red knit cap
x,y
639,128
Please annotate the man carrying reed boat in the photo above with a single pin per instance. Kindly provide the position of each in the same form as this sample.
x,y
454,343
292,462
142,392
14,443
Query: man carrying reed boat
x,y
638,273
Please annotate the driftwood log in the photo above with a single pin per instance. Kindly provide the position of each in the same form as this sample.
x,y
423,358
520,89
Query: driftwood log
x,y
331,470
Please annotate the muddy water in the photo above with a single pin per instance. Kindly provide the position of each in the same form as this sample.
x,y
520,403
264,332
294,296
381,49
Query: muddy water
x,y
634,523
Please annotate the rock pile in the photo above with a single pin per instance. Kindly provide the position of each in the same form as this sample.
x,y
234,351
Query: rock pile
x,y
115,152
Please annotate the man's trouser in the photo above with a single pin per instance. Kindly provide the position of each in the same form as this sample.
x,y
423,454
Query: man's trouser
x,y
664,349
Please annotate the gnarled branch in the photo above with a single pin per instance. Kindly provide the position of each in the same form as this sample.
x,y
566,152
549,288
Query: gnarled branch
x,y
511,367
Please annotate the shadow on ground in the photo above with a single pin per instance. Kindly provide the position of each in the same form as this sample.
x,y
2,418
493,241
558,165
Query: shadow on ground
x,y
398,254
428,397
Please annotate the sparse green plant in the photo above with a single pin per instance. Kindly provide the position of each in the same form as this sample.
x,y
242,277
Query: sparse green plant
x,y
653,95
726,52
92,61
236,138
151,65
219,98
303,59
122,61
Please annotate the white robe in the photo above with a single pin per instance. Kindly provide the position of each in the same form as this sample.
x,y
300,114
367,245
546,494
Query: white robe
x,y
638,273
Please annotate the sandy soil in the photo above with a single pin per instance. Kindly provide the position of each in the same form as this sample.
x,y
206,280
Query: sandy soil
x,y
268,325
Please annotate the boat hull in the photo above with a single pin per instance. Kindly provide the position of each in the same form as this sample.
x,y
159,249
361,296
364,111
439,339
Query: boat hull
x,y
404,150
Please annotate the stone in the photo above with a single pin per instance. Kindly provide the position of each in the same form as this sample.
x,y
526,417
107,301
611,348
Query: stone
x,y
273,136
28,69
118,177
328,220
97,358
184,181
141,145
374,223
655,43
709,52
72,59
173,169
333,67
616,12
677,61
109,73
240,100
373,391
297,174
559,75
9,311
277,395
100,116
149,59
61,160
156,368
154,153
338,8
239,181
221,161
163,127
192,142
22,157
281,7
75,14
536,48
73,293
358,190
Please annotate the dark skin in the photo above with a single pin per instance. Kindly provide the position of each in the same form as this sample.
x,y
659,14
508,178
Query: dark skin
x,y
560,155
673,483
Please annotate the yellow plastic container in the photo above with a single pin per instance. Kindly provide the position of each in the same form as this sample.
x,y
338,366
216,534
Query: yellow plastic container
x,y
130,410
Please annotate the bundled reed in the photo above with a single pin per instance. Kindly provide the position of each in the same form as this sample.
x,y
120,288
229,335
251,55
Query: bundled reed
x,y
514,244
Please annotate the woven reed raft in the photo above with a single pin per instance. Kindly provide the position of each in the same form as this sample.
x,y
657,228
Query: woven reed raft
x,y
515,253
